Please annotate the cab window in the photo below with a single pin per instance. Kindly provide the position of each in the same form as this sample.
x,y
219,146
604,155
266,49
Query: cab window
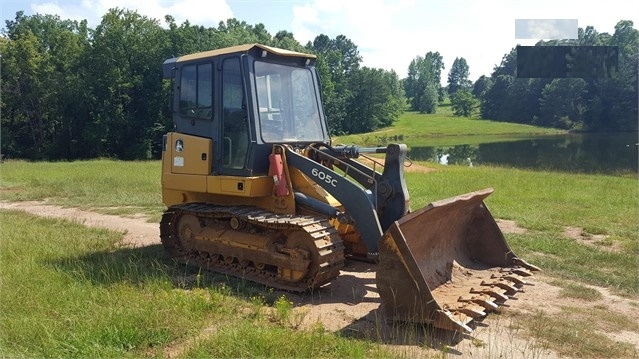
x,y
196,91
288,107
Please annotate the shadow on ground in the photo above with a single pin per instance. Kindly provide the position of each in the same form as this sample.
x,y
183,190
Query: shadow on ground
x,y
376,328
143,265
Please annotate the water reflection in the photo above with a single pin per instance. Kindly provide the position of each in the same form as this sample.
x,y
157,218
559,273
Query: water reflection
x,y
610,153
453,155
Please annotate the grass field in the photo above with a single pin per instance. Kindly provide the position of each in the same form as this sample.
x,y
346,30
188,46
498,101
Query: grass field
x,y
546,203
444,128
72,291
66,296
110,187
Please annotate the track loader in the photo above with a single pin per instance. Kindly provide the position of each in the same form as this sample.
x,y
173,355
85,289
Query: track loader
x,y
254,188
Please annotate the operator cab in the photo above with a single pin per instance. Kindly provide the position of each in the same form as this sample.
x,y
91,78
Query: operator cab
x,y
245,99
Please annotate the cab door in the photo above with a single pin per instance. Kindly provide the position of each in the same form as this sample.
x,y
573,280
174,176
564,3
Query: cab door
x,y
234,119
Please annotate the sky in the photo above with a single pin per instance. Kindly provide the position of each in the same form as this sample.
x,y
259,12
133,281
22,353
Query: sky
x,y
388,34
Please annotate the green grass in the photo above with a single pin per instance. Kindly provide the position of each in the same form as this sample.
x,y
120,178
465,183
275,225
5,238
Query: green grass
x,y
542,202
443,128
70,291
111,187
564,258
246,339
64,296
572,332
577,291
545,203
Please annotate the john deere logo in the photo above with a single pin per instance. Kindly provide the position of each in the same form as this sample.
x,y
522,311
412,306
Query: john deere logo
x,y
179,146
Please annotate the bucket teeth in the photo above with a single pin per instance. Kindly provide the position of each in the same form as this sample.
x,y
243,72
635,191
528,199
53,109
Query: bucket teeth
x,y
485,301
493,292
523,263
473,311
450,249
503,284
453,321
522,272
517,279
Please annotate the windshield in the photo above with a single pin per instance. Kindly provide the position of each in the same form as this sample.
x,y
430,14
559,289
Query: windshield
x,y
288,108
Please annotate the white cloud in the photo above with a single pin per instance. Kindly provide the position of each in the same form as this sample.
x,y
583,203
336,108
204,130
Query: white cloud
x,y
389,34
46,8
205,13
305,18
369,22
371,25
546,28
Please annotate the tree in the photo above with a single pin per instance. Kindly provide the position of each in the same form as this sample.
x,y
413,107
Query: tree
x,y
562,104
423,84
377,101
603,99
285,40
128,94
411,87
350,54
436,62
429,98
458,76
341,54
589,37
74,92
508,65
494,101
623,87
482,85
42,119
334,104
338,60
463,103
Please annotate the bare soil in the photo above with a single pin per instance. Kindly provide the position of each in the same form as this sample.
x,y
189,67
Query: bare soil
x,y
592,240
351,305
136,231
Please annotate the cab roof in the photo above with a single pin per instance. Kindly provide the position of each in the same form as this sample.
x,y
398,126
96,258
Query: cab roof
x,y
244,49
169,64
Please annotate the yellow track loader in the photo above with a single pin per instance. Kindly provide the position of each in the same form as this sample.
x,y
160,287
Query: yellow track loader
x,y
255,189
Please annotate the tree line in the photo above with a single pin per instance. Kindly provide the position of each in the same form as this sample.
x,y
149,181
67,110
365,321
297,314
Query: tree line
x,y
596,102
595,96
72,92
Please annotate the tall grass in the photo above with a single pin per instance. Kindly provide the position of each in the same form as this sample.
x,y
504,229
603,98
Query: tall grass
x,y
70,291
131,187
246,339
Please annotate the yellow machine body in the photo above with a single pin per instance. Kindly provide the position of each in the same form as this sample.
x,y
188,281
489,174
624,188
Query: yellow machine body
x,y
254,189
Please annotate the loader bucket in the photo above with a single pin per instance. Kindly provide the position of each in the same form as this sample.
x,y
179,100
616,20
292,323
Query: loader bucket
x,y
447,264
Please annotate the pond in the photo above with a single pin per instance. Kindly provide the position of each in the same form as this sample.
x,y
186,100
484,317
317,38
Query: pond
x,y
582,153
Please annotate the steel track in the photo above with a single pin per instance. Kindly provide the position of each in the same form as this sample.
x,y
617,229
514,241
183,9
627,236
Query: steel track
x,y
328,244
